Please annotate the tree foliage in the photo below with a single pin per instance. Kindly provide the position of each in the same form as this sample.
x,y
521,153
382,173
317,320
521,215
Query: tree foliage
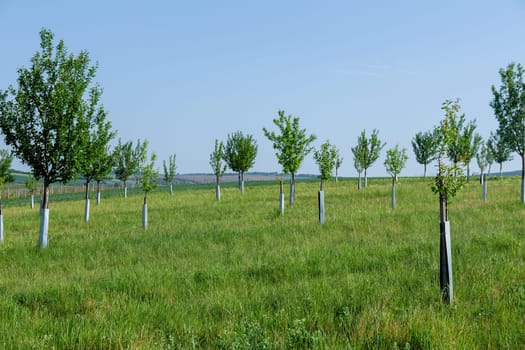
x,y
325,158
292,144
95,159
149,176
169,169
367,150
498,150
483,158
425,149
395,160
216,158
6,159
45,118
240,152
449,179
128,159
509,109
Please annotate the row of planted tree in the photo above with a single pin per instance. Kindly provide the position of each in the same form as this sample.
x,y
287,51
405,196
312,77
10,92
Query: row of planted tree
x,y
54,122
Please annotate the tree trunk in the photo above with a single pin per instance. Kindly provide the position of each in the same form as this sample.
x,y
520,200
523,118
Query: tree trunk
x,y
523,178
242,182
445,257
86,207
359,182
292,188
44,217
171,189
484,189
281,198
145,213
32,200
425,170
98,192
320,200
393,192
336,174
1,225
468,172
500,169
217,188
366,181
125,190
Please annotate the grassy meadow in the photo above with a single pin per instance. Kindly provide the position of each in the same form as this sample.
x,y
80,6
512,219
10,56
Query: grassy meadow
x,y
235,274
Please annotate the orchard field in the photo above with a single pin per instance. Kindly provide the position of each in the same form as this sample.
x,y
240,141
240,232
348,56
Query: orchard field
x,y
235,274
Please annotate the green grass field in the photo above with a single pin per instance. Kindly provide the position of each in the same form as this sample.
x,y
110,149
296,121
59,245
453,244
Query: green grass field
x,y
237,275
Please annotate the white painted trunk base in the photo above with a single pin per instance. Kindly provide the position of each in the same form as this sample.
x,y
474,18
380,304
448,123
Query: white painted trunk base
x,y
1,227
44,227
145,216
86,210
321,207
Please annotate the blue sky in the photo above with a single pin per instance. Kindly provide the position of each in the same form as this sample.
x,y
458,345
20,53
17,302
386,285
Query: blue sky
x,y
184,73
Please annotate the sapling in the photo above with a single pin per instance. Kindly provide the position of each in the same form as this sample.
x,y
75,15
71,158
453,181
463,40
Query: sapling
x,y
509,109
394,163
367,151
292,144
239,154
448,181
325,158
217,166
31,185
169,171
148,179
425,149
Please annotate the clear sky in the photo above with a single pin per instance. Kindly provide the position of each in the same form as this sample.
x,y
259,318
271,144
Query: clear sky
x,y
184,73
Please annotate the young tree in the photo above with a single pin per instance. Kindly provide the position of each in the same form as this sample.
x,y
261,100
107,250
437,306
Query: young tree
x,y
482,158
292,145
217,166
470,142
325,158
425,149
148,180
509,108
44,120
240,153
368,150
31,185
104,165
394,163
358,163
498,150
169,171
93,157
447,182
5,163
128,160
338,163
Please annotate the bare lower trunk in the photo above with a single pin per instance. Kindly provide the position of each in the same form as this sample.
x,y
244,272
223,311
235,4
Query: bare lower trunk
x,y
171,189
366,180
359,182
468,173
425,170
125,190
320,200
281,198
500,169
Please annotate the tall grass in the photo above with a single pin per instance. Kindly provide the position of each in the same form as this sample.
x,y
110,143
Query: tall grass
x,y
235,274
